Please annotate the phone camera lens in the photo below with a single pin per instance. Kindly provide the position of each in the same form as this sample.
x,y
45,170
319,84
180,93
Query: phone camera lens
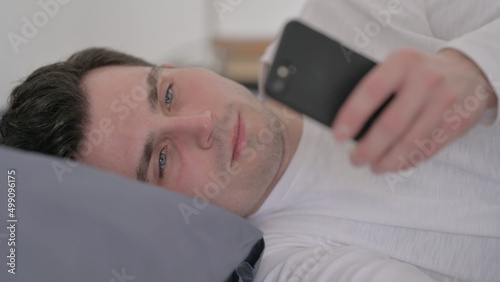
x,y
282,71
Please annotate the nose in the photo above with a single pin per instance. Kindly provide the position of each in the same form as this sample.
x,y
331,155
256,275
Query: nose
x,y
193,127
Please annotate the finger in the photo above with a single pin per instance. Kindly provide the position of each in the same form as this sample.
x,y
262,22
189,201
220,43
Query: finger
x,y
373,90
423,139
168,65
398,117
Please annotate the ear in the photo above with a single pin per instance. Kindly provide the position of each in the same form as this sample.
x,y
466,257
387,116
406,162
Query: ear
x,y
167,65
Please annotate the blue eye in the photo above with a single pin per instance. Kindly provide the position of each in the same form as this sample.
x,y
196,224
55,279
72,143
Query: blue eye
x,y
162,161
169,96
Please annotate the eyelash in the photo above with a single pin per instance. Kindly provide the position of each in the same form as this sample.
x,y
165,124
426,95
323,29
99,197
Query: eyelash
x,y
161,167
169,91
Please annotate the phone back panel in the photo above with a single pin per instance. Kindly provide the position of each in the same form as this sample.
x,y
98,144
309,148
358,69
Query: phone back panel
x,y
314,74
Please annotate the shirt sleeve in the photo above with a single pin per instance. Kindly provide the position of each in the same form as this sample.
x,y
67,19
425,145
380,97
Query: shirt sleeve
x,y
483,47
472,30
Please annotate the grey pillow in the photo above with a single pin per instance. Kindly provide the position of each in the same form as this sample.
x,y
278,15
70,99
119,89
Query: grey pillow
x,y
75,223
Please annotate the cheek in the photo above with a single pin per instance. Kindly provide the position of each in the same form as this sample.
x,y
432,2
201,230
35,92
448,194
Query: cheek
x,y
192,174
212,91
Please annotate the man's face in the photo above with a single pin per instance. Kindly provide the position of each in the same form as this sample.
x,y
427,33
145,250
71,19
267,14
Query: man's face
x,y
188,130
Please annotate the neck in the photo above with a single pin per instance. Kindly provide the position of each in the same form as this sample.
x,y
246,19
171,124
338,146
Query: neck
x,y
291,124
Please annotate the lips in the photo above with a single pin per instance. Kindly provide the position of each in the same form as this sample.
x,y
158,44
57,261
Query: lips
x,y
238,141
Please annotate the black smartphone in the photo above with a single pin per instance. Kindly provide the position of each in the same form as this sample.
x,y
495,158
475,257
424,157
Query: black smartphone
x,y
314,74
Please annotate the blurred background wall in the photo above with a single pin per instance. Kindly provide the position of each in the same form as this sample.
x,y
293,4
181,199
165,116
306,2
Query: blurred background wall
x,y
224,35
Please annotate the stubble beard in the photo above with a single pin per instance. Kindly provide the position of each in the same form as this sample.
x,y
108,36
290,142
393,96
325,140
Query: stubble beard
x,y
259,163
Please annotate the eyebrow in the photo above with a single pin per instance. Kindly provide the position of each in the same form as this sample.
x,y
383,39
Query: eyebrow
x,y
142,169
147,151
152,81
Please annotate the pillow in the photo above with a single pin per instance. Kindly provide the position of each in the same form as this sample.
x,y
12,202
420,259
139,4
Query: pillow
x,y
75,223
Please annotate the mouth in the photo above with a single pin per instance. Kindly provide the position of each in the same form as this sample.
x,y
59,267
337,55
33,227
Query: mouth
x,y
238,141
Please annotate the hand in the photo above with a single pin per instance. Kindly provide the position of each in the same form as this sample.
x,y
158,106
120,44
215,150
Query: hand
x,y
438,98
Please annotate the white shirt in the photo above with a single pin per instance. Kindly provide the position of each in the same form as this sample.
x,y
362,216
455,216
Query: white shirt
x,y
328,221
443,216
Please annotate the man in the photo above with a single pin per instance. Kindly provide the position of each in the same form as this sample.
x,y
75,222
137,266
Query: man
x,y
196,133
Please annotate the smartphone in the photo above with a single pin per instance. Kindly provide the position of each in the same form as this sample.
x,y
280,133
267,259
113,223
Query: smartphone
x,y
314,74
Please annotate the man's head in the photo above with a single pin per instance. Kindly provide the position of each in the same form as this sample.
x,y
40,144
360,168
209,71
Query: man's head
x,y
188,130
48,112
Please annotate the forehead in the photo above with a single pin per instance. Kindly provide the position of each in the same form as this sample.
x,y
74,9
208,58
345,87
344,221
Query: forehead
x,y
115,79
119,118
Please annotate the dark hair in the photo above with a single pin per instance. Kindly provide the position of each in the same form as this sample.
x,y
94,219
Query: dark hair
x,y
48,112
